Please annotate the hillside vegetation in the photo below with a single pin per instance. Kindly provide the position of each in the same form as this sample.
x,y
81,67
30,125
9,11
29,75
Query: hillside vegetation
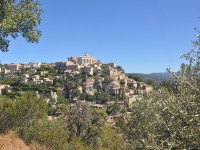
x,y
167,118
155,78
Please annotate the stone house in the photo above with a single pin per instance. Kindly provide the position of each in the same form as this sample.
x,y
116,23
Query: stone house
x,y
24,80
88,86
88,70
99,83
48,80
42,73
71,63
51,95
99,106
5,71
132,83
62,64
3,86
114,73
14,67
73,67
25,75
32,65
148,88
114,88
73,59
97,67
37,81
27,66
67,72
112,65
36,65
70,73
37,77
112,119
121,76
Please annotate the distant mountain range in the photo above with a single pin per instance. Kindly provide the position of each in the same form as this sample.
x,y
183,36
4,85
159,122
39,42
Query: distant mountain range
x,y
157,78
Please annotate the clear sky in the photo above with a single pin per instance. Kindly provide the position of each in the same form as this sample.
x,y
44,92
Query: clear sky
x,y
140,35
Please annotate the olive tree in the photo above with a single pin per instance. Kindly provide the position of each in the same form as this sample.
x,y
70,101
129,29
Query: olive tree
x,y
87,124
169,119
19,18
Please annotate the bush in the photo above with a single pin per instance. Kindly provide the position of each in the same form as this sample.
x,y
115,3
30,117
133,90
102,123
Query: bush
x,y
20,113
52,134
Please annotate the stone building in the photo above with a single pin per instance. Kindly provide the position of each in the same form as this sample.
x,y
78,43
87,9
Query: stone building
x,y
132,83
27,66
14,67
86,60
61,64
114,73
3,86
88,70
4,70
97,67
36,65
88,86
115,88
32,65
73,59
112,65
73,67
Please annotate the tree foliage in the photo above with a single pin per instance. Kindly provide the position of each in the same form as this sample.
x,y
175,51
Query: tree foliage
x,y
20,113
169,119
51,133
19,18
86,123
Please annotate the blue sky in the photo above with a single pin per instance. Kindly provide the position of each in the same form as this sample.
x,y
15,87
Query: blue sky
x,y
140,35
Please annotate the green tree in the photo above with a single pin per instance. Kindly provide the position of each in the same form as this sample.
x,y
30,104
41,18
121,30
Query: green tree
x,y
120,68
7,113
19,114
113,109
28,108
19,18
169,119
77,144
102,97
87,124
83,96
112,139
51,133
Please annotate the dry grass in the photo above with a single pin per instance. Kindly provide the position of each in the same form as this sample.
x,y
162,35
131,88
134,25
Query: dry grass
x,y
10,141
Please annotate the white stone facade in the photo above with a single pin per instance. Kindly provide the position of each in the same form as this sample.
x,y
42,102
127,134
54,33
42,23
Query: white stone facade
x,y
86,60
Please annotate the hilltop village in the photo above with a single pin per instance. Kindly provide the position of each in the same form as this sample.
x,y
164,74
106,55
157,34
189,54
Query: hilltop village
x,y
79,80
